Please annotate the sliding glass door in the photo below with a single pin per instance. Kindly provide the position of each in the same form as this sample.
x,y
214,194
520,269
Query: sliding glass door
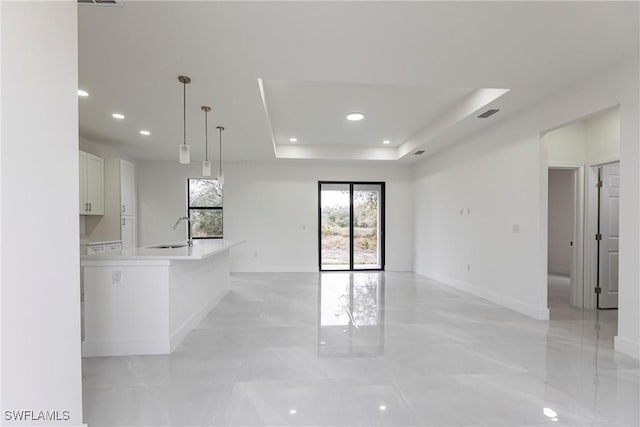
x,y
351,225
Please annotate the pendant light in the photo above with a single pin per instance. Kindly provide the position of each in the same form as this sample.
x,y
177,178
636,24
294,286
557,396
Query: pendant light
x,y
220,174
206,164
185,150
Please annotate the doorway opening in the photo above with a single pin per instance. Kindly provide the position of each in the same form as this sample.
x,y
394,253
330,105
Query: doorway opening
x,y
350,226
563,228
583,160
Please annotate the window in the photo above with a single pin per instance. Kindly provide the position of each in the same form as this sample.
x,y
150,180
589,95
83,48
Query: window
x,y
204,206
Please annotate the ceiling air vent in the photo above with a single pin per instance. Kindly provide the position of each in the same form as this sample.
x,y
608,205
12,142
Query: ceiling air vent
x,y
101,2
487,114
417,153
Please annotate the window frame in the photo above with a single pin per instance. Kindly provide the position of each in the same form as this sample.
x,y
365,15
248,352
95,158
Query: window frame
x,y
190,208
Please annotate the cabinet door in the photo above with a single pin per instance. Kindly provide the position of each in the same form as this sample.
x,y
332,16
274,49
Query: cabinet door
x,y
128,232
95,184
127,188
82,161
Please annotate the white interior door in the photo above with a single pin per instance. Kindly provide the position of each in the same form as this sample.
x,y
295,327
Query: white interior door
x,y
609,214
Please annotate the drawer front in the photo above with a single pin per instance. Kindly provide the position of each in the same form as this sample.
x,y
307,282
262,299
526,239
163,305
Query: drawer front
x,y
114,247
95,249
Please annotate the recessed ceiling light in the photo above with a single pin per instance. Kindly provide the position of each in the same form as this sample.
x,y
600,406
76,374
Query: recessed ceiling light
x,y
354,117
145,132
382,407
293,139
82,93
386,142
293,411
117,116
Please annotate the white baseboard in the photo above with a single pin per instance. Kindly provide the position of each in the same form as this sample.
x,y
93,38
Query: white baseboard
x,y
626,346
398,268
273,269
299,269
538,313
193,321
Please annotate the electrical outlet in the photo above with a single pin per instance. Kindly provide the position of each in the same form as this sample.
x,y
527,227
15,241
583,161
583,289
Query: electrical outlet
x,y
116,277
468,211
468,267
516,228
461,211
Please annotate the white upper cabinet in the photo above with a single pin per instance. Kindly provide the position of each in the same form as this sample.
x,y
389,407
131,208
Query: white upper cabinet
x,y
91,169
119,219
128,231
127,188
83,207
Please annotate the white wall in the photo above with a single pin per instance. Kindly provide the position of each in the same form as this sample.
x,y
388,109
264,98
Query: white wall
x,y
560,221
102,150
502,175
594,140
39,195
602,133
496,179
274,208
567,145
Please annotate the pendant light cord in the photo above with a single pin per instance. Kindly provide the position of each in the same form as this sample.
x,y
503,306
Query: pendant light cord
x,y
184,113
220,128
206,135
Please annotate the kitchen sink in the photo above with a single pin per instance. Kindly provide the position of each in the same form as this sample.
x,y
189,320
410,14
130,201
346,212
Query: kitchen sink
x,y
171,246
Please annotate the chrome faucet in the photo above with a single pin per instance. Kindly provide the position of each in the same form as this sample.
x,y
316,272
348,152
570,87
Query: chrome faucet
x,y
184,218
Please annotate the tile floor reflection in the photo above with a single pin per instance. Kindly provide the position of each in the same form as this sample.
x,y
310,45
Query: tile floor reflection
x,y
351,308
415,352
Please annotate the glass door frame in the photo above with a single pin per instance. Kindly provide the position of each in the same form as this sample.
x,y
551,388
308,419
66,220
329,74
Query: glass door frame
x,y
381,225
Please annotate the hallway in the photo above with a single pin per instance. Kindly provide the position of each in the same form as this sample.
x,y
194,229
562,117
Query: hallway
x,y
371,349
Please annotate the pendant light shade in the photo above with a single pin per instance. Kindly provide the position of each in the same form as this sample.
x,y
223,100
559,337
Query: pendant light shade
x,y
206,164
185,150
220,173
206,168
185,154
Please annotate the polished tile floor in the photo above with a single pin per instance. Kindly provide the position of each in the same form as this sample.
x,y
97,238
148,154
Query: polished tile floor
x,y
371,349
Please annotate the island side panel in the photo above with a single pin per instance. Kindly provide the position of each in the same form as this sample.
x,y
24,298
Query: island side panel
x,y
126,310
196,286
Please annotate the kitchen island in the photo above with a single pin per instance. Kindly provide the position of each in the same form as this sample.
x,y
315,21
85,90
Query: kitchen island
x,y
146,300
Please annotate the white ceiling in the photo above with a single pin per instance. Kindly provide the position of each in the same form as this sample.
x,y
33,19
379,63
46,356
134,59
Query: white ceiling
x,y
416,69
315,112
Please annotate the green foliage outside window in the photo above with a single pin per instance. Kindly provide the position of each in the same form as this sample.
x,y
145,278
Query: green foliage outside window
x,y
205,208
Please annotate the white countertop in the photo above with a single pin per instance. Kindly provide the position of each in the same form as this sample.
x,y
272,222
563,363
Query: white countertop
x,y
201,249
